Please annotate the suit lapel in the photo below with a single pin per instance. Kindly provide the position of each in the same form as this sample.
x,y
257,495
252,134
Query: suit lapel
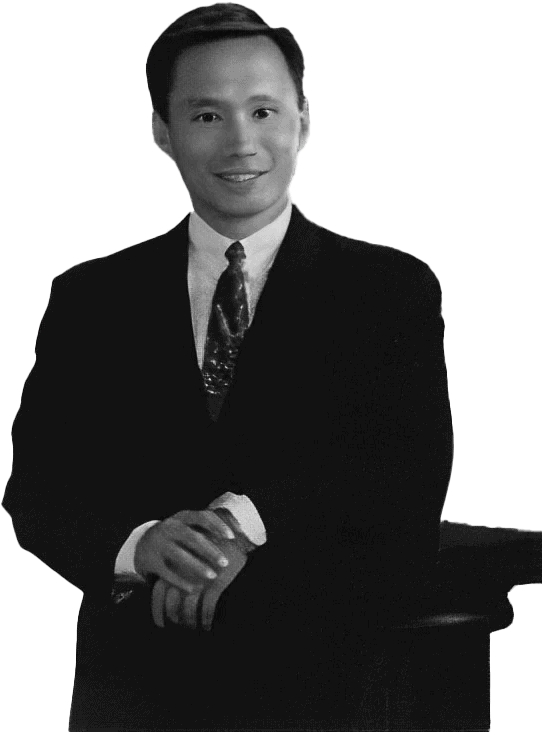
x,y
172,323
292,328
279,373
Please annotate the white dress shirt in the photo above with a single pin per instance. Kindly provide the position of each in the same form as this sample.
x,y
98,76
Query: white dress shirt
x,y
206,262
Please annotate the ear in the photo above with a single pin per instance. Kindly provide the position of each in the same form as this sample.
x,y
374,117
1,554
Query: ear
x,y
161,134
305,125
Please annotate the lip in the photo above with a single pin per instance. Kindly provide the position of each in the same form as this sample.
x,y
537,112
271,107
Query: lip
x,y
254,173
241,171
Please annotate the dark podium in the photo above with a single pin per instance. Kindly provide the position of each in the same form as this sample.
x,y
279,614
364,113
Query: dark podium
x,y
436,676
433,673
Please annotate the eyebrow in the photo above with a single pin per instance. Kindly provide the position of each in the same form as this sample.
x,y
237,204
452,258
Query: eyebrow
x,y
215,102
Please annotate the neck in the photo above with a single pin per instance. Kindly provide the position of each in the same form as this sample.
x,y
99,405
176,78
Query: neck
x,y
240,227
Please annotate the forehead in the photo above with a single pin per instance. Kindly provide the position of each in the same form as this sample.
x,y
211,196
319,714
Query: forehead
x,y
253,64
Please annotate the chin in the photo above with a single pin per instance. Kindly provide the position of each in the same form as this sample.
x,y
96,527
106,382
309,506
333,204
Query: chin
x,y
248,208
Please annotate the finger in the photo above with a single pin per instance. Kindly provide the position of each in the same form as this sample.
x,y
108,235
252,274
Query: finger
x,y
190,610
209,521
175,579
203,548
208,605
187,566
173,603
158,595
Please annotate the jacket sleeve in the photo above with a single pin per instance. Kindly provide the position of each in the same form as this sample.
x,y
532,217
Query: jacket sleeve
x,y
406,444
57,493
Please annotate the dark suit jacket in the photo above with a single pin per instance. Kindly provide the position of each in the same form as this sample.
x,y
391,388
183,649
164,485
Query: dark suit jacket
x,y
337,426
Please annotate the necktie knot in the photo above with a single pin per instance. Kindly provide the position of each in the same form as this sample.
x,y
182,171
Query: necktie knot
x,y
235,254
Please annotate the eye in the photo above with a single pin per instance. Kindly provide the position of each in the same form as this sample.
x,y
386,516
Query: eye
x,y
264,112
206,117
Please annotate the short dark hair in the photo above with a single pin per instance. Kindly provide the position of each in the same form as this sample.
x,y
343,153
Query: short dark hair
x,y
211,23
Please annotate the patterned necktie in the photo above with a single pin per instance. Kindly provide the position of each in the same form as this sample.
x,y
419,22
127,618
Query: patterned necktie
x,y
227,325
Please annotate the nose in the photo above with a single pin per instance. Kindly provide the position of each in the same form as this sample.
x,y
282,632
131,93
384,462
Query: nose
x,y
240,140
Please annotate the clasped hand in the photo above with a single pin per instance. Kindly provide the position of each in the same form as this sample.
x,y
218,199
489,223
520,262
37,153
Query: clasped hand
x,y
194,555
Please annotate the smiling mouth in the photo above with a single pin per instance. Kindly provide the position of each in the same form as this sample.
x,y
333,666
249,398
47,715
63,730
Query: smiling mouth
x,y
239,177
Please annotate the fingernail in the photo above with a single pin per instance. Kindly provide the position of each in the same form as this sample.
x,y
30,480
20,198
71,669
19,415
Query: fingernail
x,y
223,562
210,574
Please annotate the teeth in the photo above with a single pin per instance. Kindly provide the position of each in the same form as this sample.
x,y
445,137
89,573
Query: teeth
x,y
240,177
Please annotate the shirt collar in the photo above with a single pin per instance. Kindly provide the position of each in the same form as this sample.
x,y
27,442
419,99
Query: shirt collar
x,y
209,246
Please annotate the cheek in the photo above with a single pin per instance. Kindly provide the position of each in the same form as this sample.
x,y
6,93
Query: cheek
x,y
193,151
286,141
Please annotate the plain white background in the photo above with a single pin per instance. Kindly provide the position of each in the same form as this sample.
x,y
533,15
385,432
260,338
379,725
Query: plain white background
x,y
426,120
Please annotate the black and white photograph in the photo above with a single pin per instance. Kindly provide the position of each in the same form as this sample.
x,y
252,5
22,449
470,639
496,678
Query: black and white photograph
x,y
270,375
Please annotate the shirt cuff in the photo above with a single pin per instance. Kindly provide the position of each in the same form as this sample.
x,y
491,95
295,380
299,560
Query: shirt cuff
x,y
124,563
241,507
246,514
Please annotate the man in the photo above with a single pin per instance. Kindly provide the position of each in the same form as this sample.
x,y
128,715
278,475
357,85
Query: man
x,y
247,416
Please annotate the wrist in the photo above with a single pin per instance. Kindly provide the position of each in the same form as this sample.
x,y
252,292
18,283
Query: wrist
x,y
241,538
124,563
245,514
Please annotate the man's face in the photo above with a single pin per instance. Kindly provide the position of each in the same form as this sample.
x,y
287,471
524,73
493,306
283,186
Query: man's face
x,y
235,130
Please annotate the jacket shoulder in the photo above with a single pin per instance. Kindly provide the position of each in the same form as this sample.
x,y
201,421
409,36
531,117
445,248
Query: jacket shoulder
x,y
130,262
378,266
